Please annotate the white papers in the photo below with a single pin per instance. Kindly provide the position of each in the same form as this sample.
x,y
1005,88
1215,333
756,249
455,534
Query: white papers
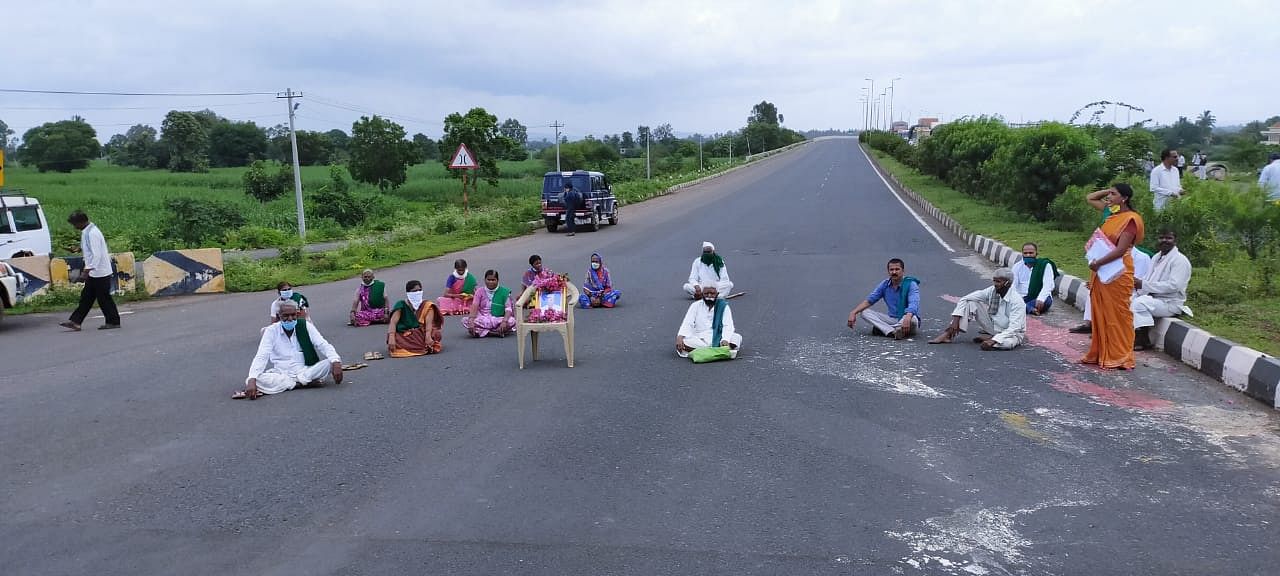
x,y
1099,246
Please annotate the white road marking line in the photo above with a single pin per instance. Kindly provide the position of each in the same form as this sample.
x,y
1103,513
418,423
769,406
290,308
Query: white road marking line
x,y
904,203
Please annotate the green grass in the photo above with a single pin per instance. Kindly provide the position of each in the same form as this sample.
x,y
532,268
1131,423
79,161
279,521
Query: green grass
x,y
1213,293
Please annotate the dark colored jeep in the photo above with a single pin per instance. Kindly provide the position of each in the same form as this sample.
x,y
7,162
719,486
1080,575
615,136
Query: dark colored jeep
x,y
598,201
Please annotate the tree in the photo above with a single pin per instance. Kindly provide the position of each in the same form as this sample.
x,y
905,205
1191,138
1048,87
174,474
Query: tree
x,y
340,142
183,134
1181,134
628,143
478,129
314,148
140,148
60,146
1206,122
236,144
664,134
513,129
1038,164
5,133
379,153
425,148
764,113
1127,150
264,186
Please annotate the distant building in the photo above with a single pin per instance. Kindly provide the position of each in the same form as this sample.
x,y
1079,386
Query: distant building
x,y
924,128
900,126
1272,135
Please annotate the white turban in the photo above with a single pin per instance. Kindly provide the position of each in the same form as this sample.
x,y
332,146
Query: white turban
x,y
708,245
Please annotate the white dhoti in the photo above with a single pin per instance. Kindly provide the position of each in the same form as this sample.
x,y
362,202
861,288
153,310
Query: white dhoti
x,y
1147,308
975,314
275,380
724,286
735,342
885,323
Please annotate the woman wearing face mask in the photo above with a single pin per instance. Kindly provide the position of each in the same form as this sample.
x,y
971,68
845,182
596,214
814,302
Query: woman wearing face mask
x,y
370,305
491,309
597,289
1113,333
415,325
459,289
284,291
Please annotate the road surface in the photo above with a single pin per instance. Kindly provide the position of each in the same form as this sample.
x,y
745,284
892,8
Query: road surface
x,y
818,451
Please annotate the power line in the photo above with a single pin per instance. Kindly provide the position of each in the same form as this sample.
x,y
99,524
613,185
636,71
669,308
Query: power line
x,y
93,93
362,110
101,108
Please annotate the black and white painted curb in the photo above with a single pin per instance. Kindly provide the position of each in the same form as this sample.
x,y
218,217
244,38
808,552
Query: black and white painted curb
x,y
1240,367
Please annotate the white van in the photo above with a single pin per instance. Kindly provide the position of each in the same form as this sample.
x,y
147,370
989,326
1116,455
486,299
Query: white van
x,y
23,228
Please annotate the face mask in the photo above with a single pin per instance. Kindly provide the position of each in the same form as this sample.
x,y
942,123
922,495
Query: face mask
x,y
595,265
286,294
414,298
1029,260
367,282
289,325
709,300
460,275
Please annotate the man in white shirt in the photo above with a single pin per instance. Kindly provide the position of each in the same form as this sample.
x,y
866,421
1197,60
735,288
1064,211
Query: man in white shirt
x,y
1025,278
96,276
1162,292
297,354
997,310
1269,178
1141,267
1166,179
708,322
709,268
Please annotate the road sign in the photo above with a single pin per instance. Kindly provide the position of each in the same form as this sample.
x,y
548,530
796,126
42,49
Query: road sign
x,y
462,159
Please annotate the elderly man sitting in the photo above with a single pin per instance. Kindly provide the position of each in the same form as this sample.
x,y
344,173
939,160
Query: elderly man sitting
x,y
708,268
297,354
998,311
708,322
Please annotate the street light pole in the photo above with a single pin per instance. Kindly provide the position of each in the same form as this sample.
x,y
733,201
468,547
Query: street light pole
x,y
891,101
871,93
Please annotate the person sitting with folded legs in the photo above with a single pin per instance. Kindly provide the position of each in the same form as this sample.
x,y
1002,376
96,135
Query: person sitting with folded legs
x,y
708,322
291,353
997,311
901,295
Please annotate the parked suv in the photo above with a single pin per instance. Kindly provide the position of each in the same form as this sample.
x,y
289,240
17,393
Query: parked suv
x,y
598,201
11,286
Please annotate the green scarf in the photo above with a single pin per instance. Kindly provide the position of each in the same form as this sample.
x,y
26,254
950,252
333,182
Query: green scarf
x,y
309,356
1037,276
301,300
714,261
717,321
408,318
905,287
1149,252
469,284
377,294
499,307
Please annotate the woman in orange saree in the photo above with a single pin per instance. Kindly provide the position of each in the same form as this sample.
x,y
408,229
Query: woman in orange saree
x,y
415,325
1112,343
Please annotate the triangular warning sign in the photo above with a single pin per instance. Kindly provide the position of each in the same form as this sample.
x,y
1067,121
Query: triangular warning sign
x,y
463,158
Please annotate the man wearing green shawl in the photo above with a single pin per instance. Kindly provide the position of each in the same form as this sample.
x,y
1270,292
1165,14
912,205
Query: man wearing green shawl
x,y
708,269
291,353
1034,279
370,306
708,322
901,295
491,309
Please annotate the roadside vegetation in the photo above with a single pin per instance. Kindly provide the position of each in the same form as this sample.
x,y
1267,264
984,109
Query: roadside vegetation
x,y
1028,184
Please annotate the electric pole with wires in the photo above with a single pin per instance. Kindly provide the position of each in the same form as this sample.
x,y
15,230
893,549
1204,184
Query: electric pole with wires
x,y
289,94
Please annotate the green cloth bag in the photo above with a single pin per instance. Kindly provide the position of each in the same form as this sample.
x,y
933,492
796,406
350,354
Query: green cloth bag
x,y
710,354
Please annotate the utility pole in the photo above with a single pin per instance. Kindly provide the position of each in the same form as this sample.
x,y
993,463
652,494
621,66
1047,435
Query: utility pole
x,y
731,147
289,95
648,170
871,103
557,125
699,152
891,101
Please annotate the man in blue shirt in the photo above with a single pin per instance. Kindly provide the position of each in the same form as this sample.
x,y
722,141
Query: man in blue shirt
x,y
901,295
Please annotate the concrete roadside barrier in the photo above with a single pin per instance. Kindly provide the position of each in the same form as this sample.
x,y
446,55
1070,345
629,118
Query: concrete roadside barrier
x,y
173,272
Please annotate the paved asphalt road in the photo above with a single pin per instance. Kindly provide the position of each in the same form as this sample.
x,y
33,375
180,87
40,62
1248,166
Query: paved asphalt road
x,y
818,451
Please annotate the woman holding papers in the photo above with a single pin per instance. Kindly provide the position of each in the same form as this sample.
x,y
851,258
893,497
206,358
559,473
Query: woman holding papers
x,y
1110,287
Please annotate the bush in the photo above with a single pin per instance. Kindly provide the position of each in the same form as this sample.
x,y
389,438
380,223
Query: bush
x,y
335,201
192,221
1127,151
962,147
263,186
249,237
891,144
1039,164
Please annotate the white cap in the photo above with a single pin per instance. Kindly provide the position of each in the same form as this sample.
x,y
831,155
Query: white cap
x,y
706,245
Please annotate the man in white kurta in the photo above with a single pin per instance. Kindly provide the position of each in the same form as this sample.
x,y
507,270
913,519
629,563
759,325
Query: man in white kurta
x,y
997,310
280,364
1166,179
1162,293
708,269
1040,302
697,329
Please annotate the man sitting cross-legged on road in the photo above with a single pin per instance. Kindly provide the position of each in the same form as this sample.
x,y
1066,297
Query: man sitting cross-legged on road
x,y
1162,293
298,356
998,311
708,322
901,294
708,268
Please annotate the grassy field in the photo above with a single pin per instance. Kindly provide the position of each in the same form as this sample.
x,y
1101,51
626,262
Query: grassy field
x,y
1253,322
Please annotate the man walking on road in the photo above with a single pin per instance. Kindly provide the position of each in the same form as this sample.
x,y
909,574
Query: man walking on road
x,y
1166,179
96,275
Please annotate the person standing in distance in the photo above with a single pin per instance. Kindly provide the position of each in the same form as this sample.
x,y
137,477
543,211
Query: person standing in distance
x,y
572,199
96,275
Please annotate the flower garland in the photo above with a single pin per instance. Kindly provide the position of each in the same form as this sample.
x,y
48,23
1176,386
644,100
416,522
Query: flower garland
x,y
548,281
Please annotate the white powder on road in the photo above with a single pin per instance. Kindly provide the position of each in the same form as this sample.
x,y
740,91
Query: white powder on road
x,y
884,369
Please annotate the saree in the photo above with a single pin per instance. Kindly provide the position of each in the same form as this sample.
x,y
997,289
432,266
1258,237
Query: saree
x,y
456,300
1112,342
417,333
372,307
599,286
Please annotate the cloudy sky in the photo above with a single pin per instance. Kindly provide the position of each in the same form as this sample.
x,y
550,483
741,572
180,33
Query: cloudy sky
x,y
604,67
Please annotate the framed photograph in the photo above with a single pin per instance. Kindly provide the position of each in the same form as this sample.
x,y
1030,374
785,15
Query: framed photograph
x,y
551,300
